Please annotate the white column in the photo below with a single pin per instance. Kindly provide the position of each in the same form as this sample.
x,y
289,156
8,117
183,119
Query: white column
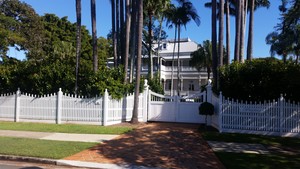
x,y
145,101
105,108
220,113
59,106
17,105
209,92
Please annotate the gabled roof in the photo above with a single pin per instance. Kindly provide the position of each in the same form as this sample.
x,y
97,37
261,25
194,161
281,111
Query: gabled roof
x,y
186,46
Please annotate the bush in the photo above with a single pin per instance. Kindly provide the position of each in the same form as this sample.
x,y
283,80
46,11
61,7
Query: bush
x,y
260,79
206,109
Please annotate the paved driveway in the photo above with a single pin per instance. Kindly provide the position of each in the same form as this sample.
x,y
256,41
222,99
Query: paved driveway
x,y
162,145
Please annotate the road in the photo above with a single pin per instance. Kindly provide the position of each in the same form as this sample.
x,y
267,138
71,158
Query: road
x,y
25,165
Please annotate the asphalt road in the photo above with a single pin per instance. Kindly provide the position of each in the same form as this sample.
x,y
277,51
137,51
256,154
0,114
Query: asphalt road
x,y
25,165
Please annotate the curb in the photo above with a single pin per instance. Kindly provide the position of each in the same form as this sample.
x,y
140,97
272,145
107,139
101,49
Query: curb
x,y
28,159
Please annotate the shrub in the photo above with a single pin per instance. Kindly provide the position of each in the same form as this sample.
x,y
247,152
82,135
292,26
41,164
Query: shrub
x,y
206,109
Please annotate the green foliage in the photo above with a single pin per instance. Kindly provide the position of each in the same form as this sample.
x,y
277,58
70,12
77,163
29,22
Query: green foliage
x,y
260,79
155,84
206,109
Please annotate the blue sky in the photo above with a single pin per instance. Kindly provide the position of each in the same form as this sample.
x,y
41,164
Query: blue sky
x,y
265,20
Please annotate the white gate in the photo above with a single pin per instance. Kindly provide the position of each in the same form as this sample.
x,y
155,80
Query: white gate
x,y
175,109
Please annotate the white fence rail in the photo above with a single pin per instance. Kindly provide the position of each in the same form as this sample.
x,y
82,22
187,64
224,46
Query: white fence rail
x,y
62,108
277,117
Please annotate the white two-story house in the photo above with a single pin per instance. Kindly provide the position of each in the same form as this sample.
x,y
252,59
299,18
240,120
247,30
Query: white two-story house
x,y
190,78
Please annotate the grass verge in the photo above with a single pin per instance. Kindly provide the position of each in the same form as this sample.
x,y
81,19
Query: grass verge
x,y
65,128
273,160
41,148
258,161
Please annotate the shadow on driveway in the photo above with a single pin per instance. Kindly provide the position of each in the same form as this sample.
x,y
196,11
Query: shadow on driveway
x,y
163,145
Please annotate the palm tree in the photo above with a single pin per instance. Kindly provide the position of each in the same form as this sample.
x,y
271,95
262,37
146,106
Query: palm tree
x,y
118,30
228,31
94,35
134,118
122,34
127,34
242,29
78,40
221,32
152,8
237,32
254,4
133,27
202,58
214,40
180,16
113,31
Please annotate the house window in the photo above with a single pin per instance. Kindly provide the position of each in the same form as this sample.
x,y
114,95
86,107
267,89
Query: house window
x,y
191,86
165,46
169,85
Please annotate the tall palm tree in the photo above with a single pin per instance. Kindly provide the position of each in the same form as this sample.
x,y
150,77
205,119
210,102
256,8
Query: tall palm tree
x,y
134,118
180,16
133,35
221,32
242,30
214,40
113,31
237,31
202,58
122,34
152,8
94,35
118,30
127,37
227,32
78,40
253,5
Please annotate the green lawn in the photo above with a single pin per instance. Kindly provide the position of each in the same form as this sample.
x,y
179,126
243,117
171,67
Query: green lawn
x,y
256,161
64,128
41,148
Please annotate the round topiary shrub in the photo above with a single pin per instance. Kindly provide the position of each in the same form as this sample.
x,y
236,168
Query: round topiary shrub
x,y
206,109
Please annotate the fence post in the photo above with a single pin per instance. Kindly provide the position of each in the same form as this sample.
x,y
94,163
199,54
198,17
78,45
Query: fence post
x,y
59,106
145,102
209,92
17,105
220,113
281,114
105,108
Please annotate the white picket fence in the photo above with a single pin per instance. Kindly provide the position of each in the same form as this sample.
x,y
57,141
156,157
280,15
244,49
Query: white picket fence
x,y
277,117
64,108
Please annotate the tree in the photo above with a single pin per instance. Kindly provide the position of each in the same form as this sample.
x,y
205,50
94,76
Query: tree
x,y
94,35
113,32
127,37
180,16
237,32
214,41
253,5
78,40
134,118
221,32
227,32
242,29
202,58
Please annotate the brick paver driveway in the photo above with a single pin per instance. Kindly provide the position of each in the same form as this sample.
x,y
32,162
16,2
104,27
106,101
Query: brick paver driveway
x,y
163,145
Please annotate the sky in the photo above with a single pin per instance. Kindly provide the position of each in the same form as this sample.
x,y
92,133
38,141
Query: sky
x,y
264,21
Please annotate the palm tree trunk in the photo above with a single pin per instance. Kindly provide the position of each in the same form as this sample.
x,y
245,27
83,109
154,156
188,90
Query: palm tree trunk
x,y
242,27
122,34
118,30
250,35
214,41
128,20
134,118
173,58
221,32
113,32
94,35
158,44
178,63
133,40
227,32
237,32
78,40
150,62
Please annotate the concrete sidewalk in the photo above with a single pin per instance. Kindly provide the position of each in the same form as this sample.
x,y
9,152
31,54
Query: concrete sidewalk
x,y
58,136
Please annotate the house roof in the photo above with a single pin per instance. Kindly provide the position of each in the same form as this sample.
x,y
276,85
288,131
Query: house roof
x,y
187,46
